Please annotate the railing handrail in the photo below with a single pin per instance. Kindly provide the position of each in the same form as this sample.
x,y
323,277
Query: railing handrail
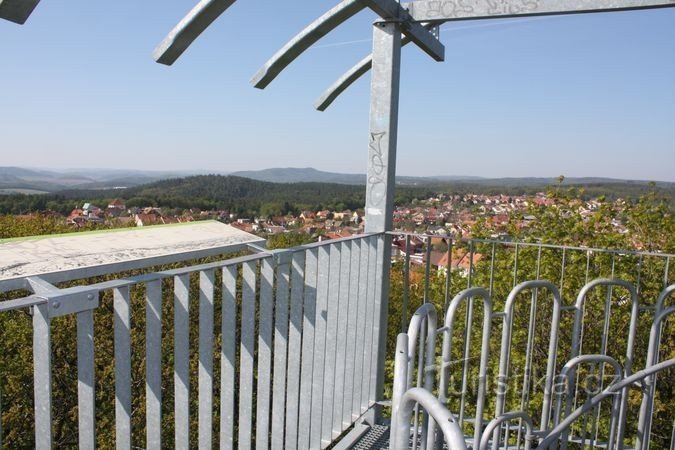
x,y
455,240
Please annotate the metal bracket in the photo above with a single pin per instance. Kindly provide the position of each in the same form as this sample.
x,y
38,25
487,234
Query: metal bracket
x,y
66,304
62,302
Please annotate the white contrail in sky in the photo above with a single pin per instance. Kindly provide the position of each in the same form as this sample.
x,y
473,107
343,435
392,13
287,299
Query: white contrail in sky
x,y
454,28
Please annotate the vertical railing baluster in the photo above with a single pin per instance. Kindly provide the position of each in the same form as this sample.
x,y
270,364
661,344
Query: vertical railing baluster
x,y
562,272
360,346
308,331
341,339
448,268
515,266
228,357
247,352
205,386
181,370
264,355
427,269
85,379
295,343
406,285
492,268
370,322
319,346
469,280
122,325
639,276
665,285
281,354
333,316
153,368
350,367
379,349
42,376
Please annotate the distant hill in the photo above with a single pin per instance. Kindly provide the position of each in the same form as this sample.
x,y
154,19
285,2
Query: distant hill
x,y
296,186
311,175
232,193
19,179
301,175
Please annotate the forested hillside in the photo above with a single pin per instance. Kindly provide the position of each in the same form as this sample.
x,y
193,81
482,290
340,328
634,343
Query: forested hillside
x,y
248,196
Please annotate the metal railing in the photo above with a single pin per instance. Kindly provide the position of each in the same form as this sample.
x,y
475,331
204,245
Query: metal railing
x,y
277,349
507,367
281,349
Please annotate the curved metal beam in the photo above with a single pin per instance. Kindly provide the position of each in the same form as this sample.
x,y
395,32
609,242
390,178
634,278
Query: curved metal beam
x,y
17,11
345,81
188,29
305,39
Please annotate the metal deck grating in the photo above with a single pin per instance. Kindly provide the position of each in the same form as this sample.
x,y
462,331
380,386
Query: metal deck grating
x,y
377,438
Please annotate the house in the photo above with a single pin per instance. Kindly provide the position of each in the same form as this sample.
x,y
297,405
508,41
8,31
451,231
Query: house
x,y
117,204
307,216
462,261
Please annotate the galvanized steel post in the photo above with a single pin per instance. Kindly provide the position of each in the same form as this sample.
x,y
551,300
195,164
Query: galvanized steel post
x,y
382,166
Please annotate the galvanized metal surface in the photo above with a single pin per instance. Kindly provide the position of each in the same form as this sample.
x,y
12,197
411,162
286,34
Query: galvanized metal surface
x,y
189,29
122,342
205,375
332,307
435,12
86,412
153,364
448,10
181,332
42,370
228,355
388,10
247,353
498,434
265,345
383,126
339,14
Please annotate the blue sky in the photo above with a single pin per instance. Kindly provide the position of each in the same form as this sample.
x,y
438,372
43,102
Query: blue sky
x,y
584,95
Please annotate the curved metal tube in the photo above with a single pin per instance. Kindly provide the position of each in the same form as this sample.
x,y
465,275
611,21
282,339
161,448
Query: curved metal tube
x,y
578,315
568,372
428,312
507,417
610,391
485,348
17,11
351,76
445,420
426,367
667,292
632,331
188,29
506,342
400,379
345,81
647,406
305,39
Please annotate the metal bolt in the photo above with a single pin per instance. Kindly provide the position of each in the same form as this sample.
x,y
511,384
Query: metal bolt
x,y
56,304
90,297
